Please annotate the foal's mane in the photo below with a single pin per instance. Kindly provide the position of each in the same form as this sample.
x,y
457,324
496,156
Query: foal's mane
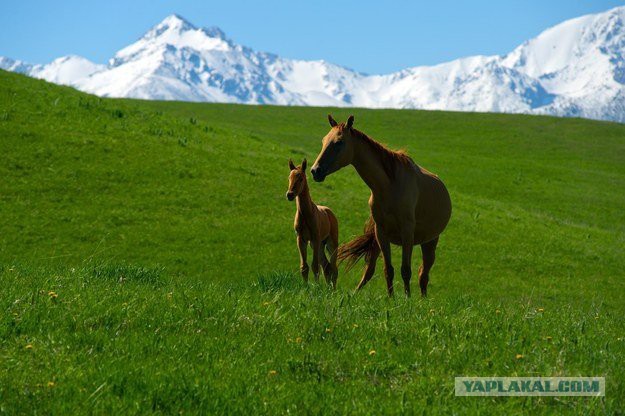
x,y
390,158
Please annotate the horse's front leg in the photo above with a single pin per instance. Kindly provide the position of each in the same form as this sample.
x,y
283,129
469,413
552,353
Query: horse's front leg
x,y
303,265
385,247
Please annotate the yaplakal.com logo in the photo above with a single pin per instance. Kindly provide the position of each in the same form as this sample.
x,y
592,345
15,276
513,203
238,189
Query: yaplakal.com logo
x,y
530,386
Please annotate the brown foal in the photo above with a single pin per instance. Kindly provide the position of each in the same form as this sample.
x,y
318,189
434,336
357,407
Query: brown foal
x,y
314,224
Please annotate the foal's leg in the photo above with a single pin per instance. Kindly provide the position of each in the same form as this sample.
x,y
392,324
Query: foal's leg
x,y
332,247
370,269
303,266
325,265
385,247
429,255
407,238
316,246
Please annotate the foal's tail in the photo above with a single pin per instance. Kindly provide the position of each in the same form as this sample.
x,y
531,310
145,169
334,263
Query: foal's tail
x,y
362,246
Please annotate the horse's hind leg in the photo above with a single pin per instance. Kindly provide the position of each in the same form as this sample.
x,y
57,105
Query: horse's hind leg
x,y
407,239
303,267
332,247
325,264
429,255
370,268
385,247
316,246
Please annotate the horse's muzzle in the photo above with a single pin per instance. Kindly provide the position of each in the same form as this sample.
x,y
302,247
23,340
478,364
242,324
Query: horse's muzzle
x,y
318,174
290,196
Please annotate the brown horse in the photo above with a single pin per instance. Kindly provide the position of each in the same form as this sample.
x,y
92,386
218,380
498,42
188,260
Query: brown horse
x,y
314,224
409,205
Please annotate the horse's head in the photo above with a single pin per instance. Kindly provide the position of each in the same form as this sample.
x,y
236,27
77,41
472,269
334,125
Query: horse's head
x,y
297,180
337,149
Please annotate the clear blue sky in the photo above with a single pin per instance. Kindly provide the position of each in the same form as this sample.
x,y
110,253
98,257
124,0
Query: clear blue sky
x,y
368,36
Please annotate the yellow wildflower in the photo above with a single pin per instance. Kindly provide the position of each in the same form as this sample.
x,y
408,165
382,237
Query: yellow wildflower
x,y
519,356
272,372
372,352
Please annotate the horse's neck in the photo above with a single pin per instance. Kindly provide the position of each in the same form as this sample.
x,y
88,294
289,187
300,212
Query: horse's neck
x,y
304,202
370,167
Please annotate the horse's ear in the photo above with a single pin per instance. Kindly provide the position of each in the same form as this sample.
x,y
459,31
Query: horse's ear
x,y
291,165
304,165
333,122
350,122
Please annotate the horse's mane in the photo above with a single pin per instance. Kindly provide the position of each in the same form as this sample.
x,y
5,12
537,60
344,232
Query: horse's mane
x,y
390,158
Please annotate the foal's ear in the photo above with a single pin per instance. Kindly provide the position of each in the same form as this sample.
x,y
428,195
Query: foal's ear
x,y
304,165
333,122
350,122
291,165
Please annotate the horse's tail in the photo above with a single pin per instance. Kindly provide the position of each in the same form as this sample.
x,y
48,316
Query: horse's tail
x,y
362,246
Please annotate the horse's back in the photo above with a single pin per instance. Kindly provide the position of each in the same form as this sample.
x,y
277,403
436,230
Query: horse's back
x,y
328,213
332,222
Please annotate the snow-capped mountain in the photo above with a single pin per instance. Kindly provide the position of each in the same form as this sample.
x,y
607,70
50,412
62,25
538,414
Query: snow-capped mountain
x,y
576,68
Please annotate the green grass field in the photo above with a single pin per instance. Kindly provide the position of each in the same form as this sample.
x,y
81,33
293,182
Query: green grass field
x,y
148,262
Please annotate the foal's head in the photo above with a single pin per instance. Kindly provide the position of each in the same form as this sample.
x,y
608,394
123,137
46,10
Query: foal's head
x,y
337,149
297,180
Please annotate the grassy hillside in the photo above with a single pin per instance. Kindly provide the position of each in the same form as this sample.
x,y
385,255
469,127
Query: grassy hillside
x,y
148,260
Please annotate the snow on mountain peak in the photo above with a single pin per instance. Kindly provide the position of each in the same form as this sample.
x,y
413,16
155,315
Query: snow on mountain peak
x,y
9,64
568,42
67,69
174,31
175,21
178,24
581,61
576,68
